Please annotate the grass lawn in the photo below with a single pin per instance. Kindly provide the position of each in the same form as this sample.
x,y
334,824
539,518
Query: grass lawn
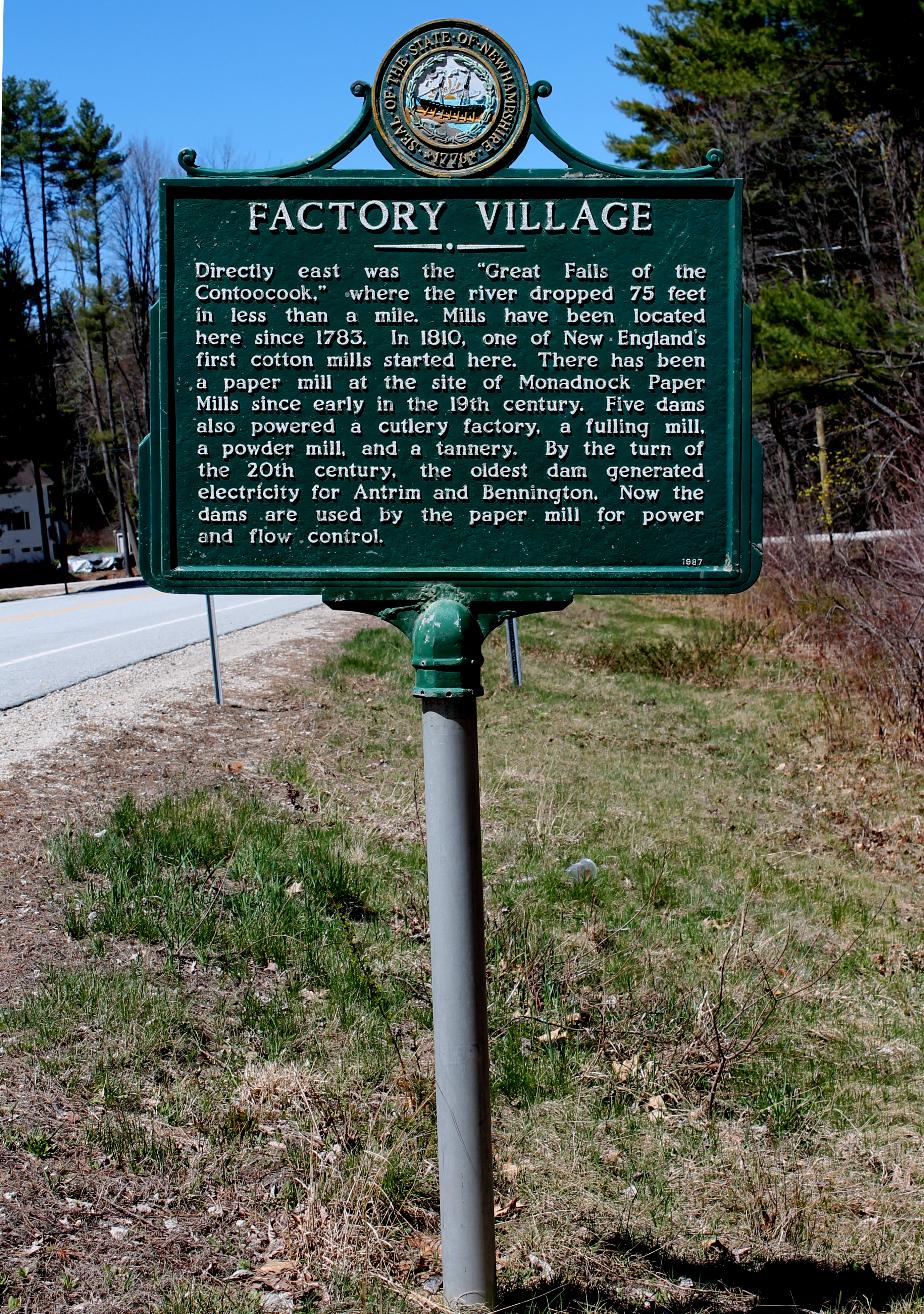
x,y
706,1053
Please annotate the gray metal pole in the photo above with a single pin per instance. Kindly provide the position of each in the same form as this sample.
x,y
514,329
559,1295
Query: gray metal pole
x,y
513,651
460,1016
213,643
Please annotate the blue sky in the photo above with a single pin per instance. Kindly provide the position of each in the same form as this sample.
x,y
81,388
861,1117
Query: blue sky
x,y
271,80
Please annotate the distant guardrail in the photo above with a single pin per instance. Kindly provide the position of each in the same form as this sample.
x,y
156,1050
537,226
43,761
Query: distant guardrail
x,y
859,536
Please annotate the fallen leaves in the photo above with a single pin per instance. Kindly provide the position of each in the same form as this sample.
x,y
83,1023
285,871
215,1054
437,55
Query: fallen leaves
x,y
423,1259
277,1274
655,1107
552,1036
898,959
283,1283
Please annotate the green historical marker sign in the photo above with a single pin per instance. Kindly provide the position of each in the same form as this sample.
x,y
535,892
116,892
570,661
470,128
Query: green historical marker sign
x,y
451,394
377,381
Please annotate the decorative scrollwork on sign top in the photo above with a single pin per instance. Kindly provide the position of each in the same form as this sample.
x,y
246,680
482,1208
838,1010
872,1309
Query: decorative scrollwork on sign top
x,y
543,131
538,127
313,164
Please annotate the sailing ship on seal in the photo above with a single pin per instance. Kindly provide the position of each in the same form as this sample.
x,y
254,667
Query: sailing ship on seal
x,y
450,100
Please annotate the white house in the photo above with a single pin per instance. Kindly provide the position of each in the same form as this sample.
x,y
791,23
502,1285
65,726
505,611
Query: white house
x,y
20,524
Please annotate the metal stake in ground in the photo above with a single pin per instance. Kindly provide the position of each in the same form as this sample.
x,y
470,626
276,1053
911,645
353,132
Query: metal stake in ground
x,y
514,655
213,644
460,1021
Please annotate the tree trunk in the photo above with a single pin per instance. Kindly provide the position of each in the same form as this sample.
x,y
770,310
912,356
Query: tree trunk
x,y
30,236
824,472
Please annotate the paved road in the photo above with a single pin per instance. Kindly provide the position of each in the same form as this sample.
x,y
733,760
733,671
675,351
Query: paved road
x,y
50,643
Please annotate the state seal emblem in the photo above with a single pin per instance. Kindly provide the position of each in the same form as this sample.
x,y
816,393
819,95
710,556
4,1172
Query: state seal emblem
x,y
450,100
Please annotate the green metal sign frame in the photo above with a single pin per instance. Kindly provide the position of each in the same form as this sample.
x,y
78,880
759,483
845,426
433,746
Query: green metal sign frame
x,y
523,563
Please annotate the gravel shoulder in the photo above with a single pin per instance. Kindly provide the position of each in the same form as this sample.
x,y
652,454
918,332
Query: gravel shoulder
x,y
121,700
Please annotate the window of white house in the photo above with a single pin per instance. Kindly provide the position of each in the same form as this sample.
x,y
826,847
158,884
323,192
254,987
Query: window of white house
x,y
14,520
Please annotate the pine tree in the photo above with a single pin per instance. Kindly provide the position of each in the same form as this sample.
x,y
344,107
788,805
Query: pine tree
x,y
35,150
91,180
35,146
817,107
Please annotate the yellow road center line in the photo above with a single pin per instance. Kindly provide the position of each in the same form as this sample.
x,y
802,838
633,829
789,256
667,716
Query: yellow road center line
x,y
59,611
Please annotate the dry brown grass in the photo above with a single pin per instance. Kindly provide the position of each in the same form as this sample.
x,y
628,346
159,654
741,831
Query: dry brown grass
x,y
705,1060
